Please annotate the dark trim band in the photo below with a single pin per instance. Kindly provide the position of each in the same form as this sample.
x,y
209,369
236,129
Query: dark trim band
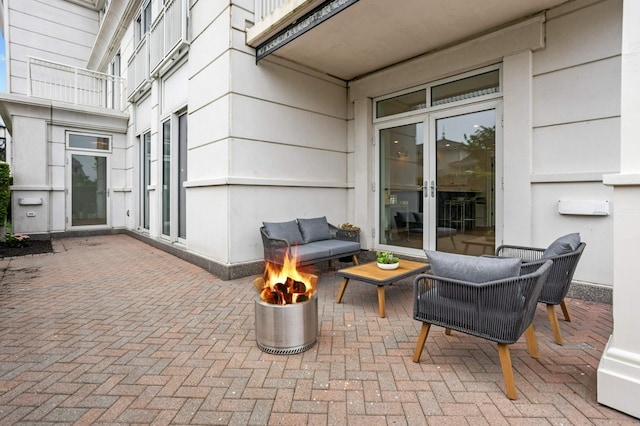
x,y
310,20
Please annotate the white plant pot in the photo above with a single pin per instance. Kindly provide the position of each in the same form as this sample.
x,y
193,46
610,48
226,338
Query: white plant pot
x,y
388,266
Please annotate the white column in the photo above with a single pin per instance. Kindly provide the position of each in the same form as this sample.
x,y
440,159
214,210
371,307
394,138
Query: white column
x,y
619,369
364,173
517,149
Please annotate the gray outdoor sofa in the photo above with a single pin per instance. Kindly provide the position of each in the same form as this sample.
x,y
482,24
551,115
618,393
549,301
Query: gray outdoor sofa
x,y
309,241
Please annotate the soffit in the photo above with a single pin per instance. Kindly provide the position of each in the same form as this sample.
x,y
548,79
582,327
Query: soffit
x,y
373,34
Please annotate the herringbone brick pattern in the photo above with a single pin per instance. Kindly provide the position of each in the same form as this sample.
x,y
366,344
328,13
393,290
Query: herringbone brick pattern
x,y
108,330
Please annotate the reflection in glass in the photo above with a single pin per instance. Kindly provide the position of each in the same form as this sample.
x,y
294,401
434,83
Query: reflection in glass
x,y
89,142
465,176
146,178
402,103
88,190
182,176
470,87
166,177
401,175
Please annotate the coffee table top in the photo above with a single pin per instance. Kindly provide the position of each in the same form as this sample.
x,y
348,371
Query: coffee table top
x,y
370,273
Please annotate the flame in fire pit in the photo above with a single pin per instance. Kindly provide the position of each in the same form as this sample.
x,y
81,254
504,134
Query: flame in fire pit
x,y
283,285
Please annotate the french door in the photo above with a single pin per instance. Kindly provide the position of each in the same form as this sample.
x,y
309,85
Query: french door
x,y
88,198
437,175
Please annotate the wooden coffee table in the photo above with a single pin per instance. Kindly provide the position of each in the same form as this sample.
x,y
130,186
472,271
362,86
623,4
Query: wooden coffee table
x,y
370,273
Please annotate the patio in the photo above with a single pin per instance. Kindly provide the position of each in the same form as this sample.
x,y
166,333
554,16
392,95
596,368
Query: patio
x,y
110,330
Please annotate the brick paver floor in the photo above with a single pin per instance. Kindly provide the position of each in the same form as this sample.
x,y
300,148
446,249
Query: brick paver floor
x,y
110,330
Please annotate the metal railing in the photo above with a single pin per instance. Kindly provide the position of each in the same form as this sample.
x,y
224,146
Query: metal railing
x,y
169,32
65,83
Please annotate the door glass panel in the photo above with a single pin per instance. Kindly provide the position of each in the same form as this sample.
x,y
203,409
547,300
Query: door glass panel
x,y
182,176
166,177
401,175
88,190
146,179
465,179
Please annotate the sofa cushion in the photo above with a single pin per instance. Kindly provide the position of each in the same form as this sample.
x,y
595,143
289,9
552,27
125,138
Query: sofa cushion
x,y
315,229
337,247
404,217
563,245
284,231
471,268
309,253
417,217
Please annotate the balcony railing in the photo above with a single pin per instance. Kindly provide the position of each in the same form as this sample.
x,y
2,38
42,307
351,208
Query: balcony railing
x,y
266,7
138,69
64,83
169,33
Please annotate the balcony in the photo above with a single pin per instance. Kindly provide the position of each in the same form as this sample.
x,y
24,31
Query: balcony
x,y
169,35
159,49
138,70
79,86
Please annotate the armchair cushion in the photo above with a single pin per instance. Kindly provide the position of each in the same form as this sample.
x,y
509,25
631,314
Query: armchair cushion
x,y
284,231
316,229
565,244
472,269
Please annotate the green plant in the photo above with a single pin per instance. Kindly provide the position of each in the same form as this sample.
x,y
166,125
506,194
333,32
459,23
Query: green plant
x,y
386,257
5,192
16,240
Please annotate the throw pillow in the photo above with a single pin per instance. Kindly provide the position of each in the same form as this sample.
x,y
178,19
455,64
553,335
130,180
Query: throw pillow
x,y
316,229
284,231
471,268
563,245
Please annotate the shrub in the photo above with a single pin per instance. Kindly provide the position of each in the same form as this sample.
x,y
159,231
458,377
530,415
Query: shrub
x,y
16,240
5,192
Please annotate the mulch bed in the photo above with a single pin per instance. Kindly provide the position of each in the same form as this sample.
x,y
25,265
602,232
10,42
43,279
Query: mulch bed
x,y
34,247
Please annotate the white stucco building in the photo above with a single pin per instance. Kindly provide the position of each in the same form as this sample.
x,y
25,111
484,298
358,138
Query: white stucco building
x,y
187,123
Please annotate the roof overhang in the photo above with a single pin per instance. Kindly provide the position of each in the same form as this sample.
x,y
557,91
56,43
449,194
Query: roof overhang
x,y
348,39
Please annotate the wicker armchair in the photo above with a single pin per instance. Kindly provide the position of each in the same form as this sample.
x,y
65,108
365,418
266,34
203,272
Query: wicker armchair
x,y
500,311
558,283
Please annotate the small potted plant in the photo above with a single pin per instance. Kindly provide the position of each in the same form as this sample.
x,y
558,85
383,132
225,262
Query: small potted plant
x,y
387,260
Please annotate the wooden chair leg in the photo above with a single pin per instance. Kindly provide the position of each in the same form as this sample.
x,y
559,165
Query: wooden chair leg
x,y
355,260
565,311
422,338
532,341
507,371
555,326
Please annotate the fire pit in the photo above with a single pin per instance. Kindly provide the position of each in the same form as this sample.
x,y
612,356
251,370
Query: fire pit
x,y
286,310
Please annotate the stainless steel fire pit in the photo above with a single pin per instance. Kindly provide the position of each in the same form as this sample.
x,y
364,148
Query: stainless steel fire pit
x,y
286,329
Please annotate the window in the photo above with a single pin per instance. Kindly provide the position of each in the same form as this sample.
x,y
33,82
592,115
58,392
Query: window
x,y
143,22
86,141
470,86
182,176
166,177
402,103
466,88
145,159
174,174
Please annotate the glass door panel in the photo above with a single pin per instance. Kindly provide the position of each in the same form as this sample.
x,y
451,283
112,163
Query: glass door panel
x,y
88,190
465,182
401,175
